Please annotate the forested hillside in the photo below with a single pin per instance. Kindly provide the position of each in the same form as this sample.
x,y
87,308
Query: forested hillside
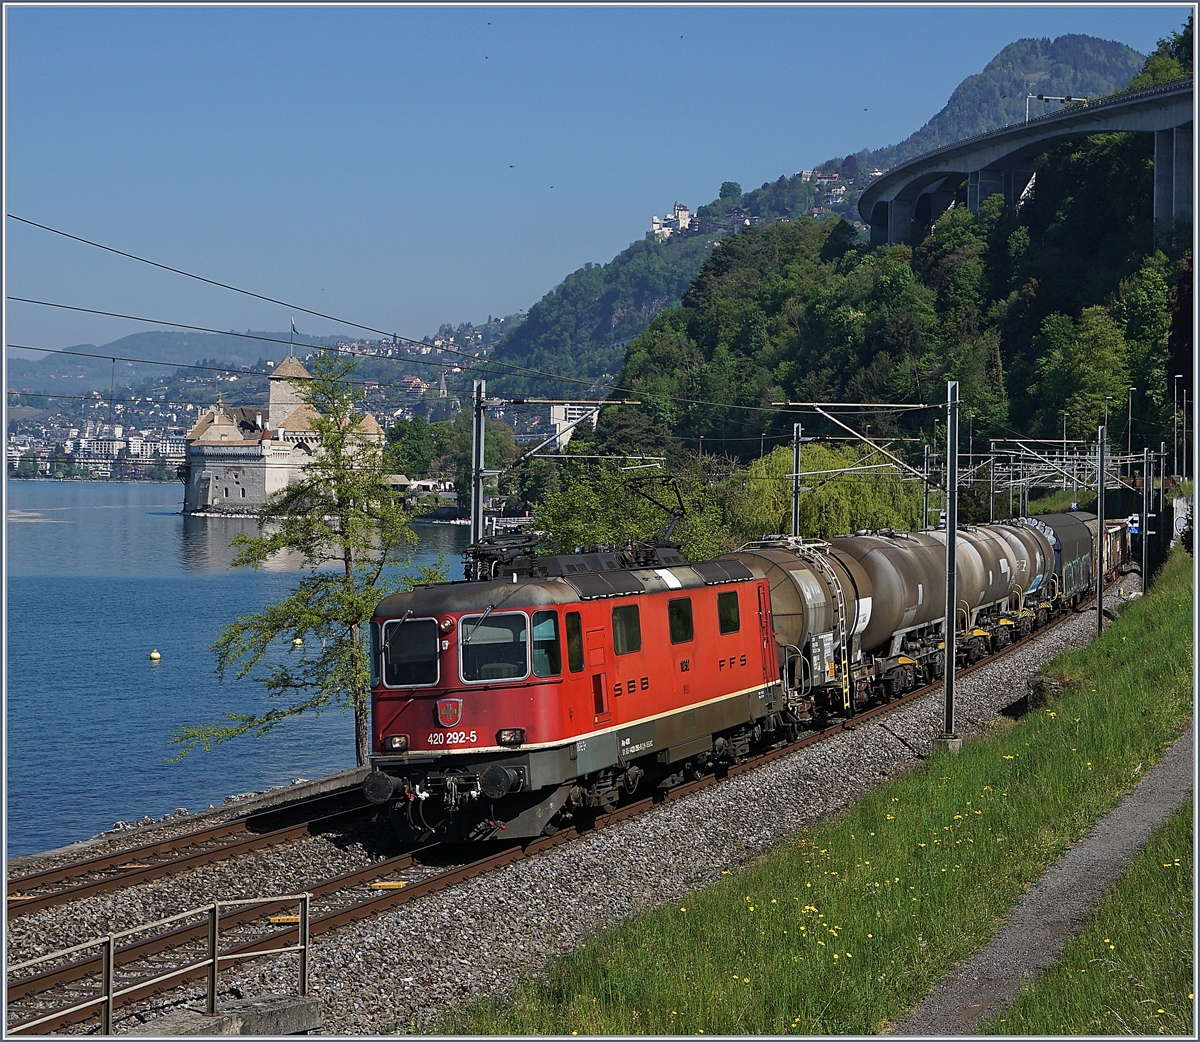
x,y
581,326
1048,310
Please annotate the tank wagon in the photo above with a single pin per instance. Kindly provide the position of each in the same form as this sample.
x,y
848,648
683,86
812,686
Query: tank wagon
x,y
512,705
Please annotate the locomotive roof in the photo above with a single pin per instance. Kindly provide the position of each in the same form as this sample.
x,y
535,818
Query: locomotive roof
x,y
515,591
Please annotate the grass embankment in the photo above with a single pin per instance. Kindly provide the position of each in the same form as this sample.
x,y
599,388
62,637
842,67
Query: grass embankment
x,y
847,926
1060,502
1130,971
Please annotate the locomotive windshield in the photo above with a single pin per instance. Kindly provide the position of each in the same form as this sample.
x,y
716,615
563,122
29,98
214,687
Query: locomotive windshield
x,y
494,647
410,652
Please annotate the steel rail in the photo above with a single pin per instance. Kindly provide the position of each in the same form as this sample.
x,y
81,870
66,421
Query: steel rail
x,y
101,862
378,904
174,866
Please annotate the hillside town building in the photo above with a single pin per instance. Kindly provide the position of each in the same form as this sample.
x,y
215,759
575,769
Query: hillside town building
x,y
238,456
679,220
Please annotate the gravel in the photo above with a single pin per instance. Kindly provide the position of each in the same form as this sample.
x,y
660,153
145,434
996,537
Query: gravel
x,y
402,970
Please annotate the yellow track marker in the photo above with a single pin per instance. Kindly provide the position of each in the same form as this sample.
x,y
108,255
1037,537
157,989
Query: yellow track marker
x,y
398,884
285,919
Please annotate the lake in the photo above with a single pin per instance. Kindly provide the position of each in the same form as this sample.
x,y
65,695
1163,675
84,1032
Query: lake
x,y
99,574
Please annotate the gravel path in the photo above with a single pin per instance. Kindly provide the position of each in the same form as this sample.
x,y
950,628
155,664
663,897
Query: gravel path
x,y
400,971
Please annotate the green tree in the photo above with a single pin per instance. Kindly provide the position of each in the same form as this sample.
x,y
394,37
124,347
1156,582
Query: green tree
x,y
27,465
598,504
730,190
348,524
411,448
1171,60
1082,363
836,501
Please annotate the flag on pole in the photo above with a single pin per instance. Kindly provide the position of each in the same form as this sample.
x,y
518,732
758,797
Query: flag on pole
x,y
294,329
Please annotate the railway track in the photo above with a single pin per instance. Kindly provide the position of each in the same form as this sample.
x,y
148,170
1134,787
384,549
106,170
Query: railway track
x,y
113,871
351,897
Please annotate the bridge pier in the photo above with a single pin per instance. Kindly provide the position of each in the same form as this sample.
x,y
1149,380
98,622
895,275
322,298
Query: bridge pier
x,y
1173,175
980,185
900,213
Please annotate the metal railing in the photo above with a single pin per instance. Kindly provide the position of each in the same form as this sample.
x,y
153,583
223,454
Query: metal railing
x,y
110,993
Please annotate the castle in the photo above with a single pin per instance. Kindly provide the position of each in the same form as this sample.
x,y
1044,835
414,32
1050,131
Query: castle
x,y
237,456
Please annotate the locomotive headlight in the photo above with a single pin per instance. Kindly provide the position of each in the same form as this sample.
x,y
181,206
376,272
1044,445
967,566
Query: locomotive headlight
x,y
510,735
395,743
446,625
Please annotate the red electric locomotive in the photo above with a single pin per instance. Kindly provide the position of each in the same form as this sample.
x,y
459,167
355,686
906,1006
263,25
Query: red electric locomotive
x,y
501,708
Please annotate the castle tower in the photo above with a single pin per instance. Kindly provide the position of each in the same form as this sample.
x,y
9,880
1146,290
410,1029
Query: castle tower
x,y
284,399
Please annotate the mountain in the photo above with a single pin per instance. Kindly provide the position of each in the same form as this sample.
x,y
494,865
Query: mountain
x,y
1069,66
55,373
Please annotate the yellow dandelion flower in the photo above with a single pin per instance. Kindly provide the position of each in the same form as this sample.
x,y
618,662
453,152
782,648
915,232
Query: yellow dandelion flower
x,y
1007,756
891,817
684,909
869,936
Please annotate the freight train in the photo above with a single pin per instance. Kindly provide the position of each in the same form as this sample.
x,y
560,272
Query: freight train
x,y
547,690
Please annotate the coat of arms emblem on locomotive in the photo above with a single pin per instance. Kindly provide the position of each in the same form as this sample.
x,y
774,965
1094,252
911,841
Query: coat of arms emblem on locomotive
x,y
449,711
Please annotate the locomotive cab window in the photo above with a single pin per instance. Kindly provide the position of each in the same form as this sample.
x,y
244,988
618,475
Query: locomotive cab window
x,y
574,642
547,651
727,612
410,652
375,650
494,647
679,615
627,629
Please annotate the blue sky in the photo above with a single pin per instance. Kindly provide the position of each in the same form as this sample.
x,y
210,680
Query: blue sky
x,y
405,167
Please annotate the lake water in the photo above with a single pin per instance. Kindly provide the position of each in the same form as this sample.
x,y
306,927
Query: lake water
x,y
100,573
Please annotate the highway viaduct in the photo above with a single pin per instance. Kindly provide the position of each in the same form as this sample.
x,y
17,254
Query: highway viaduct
x,y
917,192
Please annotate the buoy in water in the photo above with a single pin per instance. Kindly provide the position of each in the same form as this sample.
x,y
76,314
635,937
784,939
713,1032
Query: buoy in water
x,y
297,642
154,655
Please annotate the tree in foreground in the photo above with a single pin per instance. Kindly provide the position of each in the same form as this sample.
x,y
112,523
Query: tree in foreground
x,y
349,526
